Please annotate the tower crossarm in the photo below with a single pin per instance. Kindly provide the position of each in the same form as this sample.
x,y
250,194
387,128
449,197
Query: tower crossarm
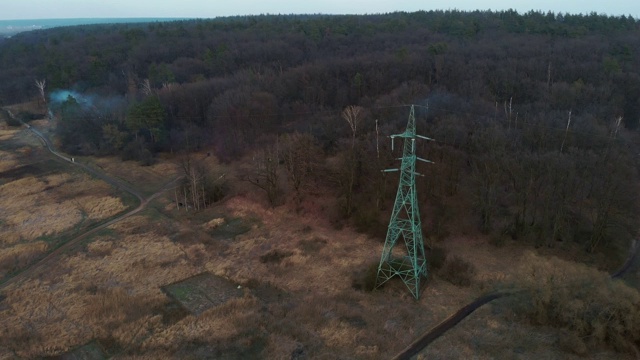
x,y
424,137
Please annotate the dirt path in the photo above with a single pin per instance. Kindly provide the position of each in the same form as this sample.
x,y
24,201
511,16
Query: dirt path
x,y
439,330
42,265
102,176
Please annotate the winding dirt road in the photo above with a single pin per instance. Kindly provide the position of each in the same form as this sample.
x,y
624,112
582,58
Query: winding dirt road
x,y
42,265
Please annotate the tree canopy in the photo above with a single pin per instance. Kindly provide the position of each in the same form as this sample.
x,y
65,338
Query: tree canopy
x,y
535,114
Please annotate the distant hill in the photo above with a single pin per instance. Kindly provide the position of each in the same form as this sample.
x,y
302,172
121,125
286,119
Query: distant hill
x,y
9,28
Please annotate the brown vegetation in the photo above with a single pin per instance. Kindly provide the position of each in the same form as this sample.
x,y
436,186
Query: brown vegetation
x,y
296,270
37,206
39,202
112,293
20,255
457,271
272,89
7,160
594,309
109,293
570,311
141,177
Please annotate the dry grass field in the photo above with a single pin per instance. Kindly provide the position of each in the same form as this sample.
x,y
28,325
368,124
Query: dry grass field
x,y
111,292
299,304
43,202
147,179
296,273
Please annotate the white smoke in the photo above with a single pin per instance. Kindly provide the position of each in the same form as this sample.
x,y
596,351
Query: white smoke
x,y
87,101
60,96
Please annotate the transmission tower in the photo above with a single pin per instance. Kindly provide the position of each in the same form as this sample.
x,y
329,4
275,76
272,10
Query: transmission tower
x,y
405,220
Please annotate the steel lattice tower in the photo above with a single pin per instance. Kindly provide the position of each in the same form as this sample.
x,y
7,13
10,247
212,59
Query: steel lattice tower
x,y
405,220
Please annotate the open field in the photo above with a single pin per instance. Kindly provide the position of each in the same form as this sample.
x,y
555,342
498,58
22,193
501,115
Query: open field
x,y
127,292
316,311
299,302
147,179
44,201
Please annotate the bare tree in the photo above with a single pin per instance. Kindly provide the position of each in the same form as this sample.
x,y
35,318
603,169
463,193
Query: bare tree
x,y
300,154
349,170
146,87
201,185
352,114
41,85
263,172
566,131
194,175
614,132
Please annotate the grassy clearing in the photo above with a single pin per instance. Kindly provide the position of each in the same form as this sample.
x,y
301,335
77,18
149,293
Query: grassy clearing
x,y
36,168
110,293
298,299
44,202
147,179
20,255
8,160
34,207
90,351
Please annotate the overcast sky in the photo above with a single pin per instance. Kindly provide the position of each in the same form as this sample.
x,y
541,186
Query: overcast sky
x,y
51,9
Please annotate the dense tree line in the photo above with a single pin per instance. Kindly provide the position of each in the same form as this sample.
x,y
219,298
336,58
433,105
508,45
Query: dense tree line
x,y
535,114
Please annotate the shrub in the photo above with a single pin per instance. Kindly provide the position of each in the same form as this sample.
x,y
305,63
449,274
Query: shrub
x,y
498,240
365,279
457,271
27,116
146,158
366,221
137,150
436,257
274,256
584,301
572,343
12,122
312,246
216,190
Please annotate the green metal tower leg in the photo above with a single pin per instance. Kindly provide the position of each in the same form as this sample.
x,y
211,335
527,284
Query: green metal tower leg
x,y
405,220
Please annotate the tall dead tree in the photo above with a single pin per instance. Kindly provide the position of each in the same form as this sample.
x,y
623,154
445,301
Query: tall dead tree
x,y
201,185
146,87
352,115
193,177
41,84
566,131
508,111
614,132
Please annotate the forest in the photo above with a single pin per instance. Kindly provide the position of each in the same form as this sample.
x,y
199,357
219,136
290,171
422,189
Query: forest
x,y
534,116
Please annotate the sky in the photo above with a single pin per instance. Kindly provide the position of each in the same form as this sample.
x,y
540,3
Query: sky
x,y
62,9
